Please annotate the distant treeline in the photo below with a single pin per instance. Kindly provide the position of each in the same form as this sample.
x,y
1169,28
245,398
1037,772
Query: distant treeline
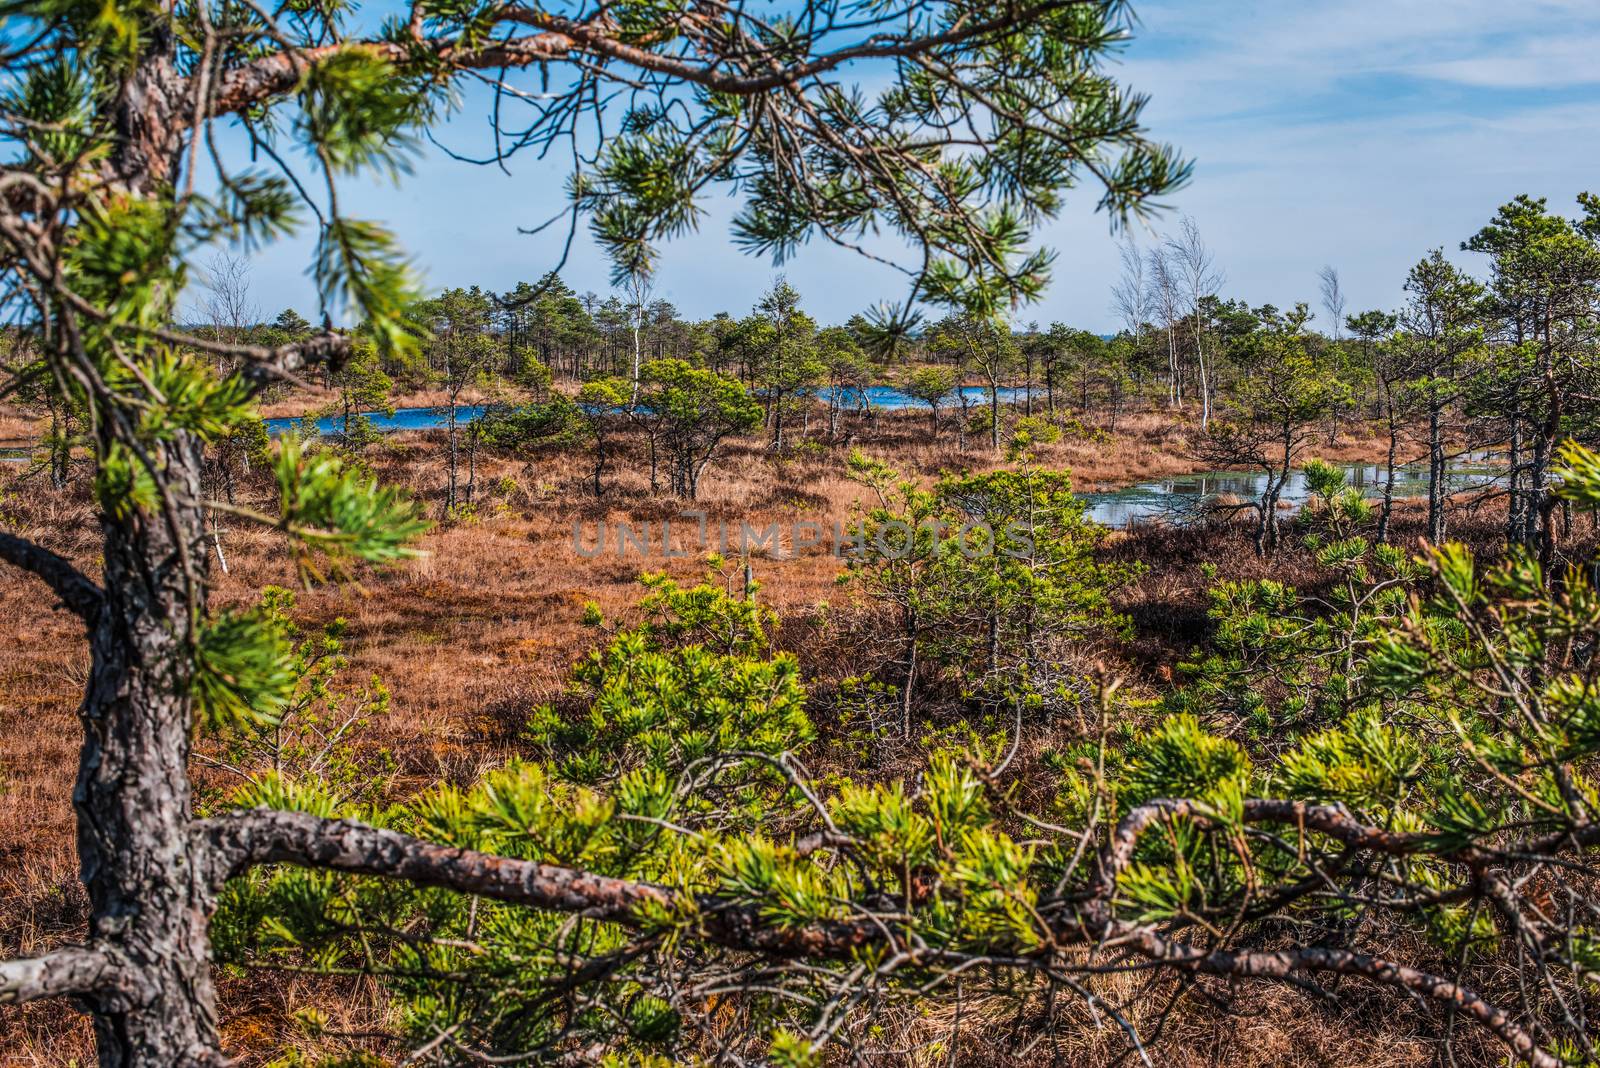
x,y
1506,357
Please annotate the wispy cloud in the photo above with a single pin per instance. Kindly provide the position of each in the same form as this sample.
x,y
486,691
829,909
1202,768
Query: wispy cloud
x,y
1359,134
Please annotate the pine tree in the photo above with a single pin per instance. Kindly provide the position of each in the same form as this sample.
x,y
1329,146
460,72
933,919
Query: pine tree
x,y
668,850
1273,413
695,410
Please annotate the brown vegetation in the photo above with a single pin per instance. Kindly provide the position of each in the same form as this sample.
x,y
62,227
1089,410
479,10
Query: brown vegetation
x,y
484,626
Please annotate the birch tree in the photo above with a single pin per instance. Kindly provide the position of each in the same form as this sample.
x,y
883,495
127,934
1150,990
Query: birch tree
x,y
1195,276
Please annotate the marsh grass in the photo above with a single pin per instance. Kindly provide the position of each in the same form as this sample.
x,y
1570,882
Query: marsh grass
x,y
485,625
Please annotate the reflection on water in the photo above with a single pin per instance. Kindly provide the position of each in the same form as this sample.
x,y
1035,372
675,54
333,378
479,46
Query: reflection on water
x,y
1178,497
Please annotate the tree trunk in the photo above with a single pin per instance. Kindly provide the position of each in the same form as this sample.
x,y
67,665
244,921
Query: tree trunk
x,y
1544,502
994,414
146,882
1388,481
59,446
633,394
450,490
149,899
1436,488
911,674
1533,512
1174,389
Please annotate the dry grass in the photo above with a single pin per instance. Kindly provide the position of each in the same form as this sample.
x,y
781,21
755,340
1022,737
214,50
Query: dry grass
x,y
313,397
18,427
1207,1024
484,626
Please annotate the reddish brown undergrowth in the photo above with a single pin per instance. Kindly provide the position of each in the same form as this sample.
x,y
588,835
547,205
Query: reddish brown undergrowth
x,y
486,624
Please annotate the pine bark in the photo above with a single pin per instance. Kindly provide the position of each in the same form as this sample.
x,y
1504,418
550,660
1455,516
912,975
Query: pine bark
x,y
147,893
149,899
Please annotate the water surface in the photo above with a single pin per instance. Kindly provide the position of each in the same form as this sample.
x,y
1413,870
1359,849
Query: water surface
x,y
1177,497
883,398
1171,499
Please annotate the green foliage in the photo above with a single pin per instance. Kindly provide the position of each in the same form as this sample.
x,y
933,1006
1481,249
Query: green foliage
x,y
659,707
707,614
993,576
357,111
552,423
1447,710
779,342
1023,583
359,267
1364,763
694,681
58,96
362,387
673,762
1181,759
1579,474
123,483
1340,505
975,341
1275,661
1322,478
242,671
328,508
932,386
1028,432
314,734
694,411
196,401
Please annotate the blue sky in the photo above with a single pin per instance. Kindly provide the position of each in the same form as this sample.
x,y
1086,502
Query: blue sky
x,y
1358,134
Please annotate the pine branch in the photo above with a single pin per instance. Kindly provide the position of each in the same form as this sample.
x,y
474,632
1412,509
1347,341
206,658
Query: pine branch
x,y
240,840
81,971
1336,822
79,594
262,366
596,39
1287,964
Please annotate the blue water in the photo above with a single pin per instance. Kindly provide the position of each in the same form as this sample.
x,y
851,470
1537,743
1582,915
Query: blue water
x,y
889,399
1167,499
1184,496
402,419
884,398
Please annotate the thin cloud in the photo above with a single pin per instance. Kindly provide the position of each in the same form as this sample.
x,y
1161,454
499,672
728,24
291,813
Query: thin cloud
x,y
1360,134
